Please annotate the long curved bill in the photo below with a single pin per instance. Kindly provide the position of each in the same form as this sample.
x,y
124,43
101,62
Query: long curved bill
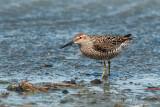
x,y
68,44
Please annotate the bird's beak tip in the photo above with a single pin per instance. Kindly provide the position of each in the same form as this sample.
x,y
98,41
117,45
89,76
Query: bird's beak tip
x,y
68,44
61,47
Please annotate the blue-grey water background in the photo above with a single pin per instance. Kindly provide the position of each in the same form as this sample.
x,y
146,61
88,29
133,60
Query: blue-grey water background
x,y
31,32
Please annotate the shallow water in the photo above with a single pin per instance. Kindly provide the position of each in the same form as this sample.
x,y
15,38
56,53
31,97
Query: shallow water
x,y
32,31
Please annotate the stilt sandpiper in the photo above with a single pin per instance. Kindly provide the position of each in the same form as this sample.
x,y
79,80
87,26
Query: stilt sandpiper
x,y
101,47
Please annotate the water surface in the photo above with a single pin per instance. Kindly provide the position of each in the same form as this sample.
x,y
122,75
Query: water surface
x,y
31,32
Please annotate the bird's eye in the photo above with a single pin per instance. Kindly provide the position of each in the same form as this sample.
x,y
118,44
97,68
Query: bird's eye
x,y
80,37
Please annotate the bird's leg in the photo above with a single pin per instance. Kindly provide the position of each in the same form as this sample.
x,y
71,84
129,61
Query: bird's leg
x,y
109,66
104,74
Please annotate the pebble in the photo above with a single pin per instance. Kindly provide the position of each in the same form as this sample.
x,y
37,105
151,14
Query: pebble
x,y
96,81
65,91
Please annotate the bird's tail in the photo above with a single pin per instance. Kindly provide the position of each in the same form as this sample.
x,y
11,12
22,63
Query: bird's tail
x,y
128,37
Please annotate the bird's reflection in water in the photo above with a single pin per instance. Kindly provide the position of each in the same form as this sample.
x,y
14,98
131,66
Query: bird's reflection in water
x,y
106,86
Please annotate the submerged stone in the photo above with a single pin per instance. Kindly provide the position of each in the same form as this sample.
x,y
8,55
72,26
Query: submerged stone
x,y
65,91
96,81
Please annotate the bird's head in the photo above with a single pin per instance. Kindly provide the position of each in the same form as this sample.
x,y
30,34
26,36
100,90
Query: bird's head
x,y
80,39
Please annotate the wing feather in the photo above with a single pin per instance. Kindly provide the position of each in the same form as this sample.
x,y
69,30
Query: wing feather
x,y
109,43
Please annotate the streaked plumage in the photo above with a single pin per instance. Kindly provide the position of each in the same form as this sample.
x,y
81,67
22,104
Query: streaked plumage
x,y
101,47
105,47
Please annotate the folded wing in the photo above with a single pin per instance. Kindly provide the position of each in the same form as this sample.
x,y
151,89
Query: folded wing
x,y
111,43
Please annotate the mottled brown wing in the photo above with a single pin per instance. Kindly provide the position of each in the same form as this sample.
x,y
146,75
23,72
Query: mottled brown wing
x,y
108,43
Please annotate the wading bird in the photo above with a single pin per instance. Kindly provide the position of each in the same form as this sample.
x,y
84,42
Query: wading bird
x,y
101,47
